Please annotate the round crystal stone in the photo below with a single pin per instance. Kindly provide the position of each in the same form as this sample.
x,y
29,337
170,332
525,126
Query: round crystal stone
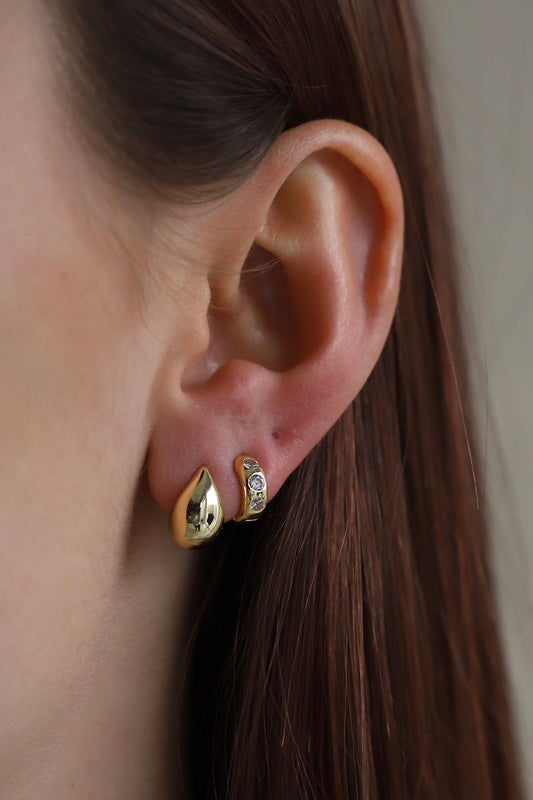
x,y
257,504
257,482
250,463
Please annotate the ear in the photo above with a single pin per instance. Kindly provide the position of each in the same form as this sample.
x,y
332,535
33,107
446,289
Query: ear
x,y
302,303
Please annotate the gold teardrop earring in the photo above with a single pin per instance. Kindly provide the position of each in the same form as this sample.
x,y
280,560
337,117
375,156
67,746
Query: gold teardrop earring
x,y
197,516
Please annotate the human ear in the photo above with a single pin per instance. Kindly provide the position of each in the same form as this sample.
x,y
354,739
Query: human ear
x,y
306,260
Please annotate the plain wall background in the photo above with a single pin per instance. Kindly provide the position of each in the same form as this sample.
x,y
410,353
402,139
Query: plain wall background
x,y
481,63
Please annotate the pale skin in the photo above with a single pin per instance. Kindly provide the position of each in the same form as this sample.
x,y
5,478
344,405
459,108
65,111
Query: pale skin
x,y
130,354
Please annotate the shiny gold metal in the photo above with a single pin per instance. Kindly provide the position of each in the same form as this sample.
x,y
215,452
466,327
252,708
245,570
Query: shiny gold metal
x,y
254,488
198,513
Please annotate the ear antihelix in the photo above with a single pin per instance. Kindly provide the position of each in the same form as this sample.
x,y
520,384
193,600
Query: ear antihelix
x,y
198,514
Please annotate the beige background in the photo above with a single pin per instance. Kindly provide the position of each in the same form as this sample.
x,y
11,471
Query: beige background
x,y
481,61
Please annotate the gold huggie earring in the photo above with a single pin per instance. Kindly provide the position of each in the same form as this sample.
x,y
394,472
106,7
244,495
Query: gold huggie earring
x,y
197,515
254,489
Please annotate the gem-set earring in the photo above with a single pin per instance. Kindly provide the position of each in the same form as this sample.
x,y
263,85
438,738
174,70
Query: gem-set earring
x,y
254,488
198,515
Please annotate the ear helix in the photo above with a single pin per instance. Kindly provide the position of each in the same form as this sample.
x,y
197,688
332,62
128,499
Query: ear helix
x,y
198,515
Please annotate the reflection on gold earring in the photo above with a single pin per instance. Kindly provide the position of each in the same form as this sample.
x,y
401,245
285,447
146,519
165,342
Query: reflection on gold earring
x,y
198,514
254,488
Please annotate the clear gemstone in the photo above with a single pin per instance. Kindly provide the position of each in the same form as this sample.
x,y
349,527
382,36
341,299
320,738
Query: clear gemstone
x,y
257,504
257,482
250,463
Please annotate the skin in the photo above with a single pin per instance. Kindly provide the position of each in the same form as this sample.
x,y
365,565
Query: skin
x,y
78,354
119,379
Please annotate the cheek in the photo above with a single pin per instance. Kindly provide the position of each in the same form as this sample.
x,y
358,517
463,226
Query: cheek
x,y
76,367
75,364
68,323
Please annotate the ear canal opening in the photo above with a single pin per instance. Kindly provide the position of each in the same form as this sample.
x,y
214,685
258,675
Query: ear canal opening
x,y
256,323
270,310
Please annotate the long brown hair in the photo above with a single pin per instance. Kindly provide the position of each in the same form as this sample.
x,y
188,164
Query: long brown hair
x,y
347,648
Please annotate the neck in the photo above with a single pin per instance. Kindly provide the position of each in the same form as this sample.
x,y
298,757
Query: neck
x,y
113,732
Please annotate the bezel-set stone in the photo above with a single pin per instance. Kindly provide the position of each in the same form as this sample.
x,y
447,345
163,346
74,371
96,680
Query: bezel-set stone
x,y
257,503
250,463
257,482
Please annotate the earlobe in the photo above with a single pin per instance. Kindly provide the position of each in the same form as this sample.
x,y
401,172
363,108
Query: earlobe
x,y
297,325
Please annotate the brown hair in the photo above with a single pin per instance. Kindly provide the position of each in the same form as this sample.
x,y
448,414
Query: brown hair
x,y
348,648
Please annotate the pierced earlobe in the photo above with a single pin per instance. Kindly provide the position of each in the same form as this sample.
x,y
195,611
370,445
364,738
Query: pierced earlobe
x,y
197,515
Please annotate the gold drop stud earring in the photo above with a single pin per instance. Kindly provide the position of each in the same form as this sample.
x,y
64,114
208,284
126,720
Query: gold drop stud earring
x,y
198,515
